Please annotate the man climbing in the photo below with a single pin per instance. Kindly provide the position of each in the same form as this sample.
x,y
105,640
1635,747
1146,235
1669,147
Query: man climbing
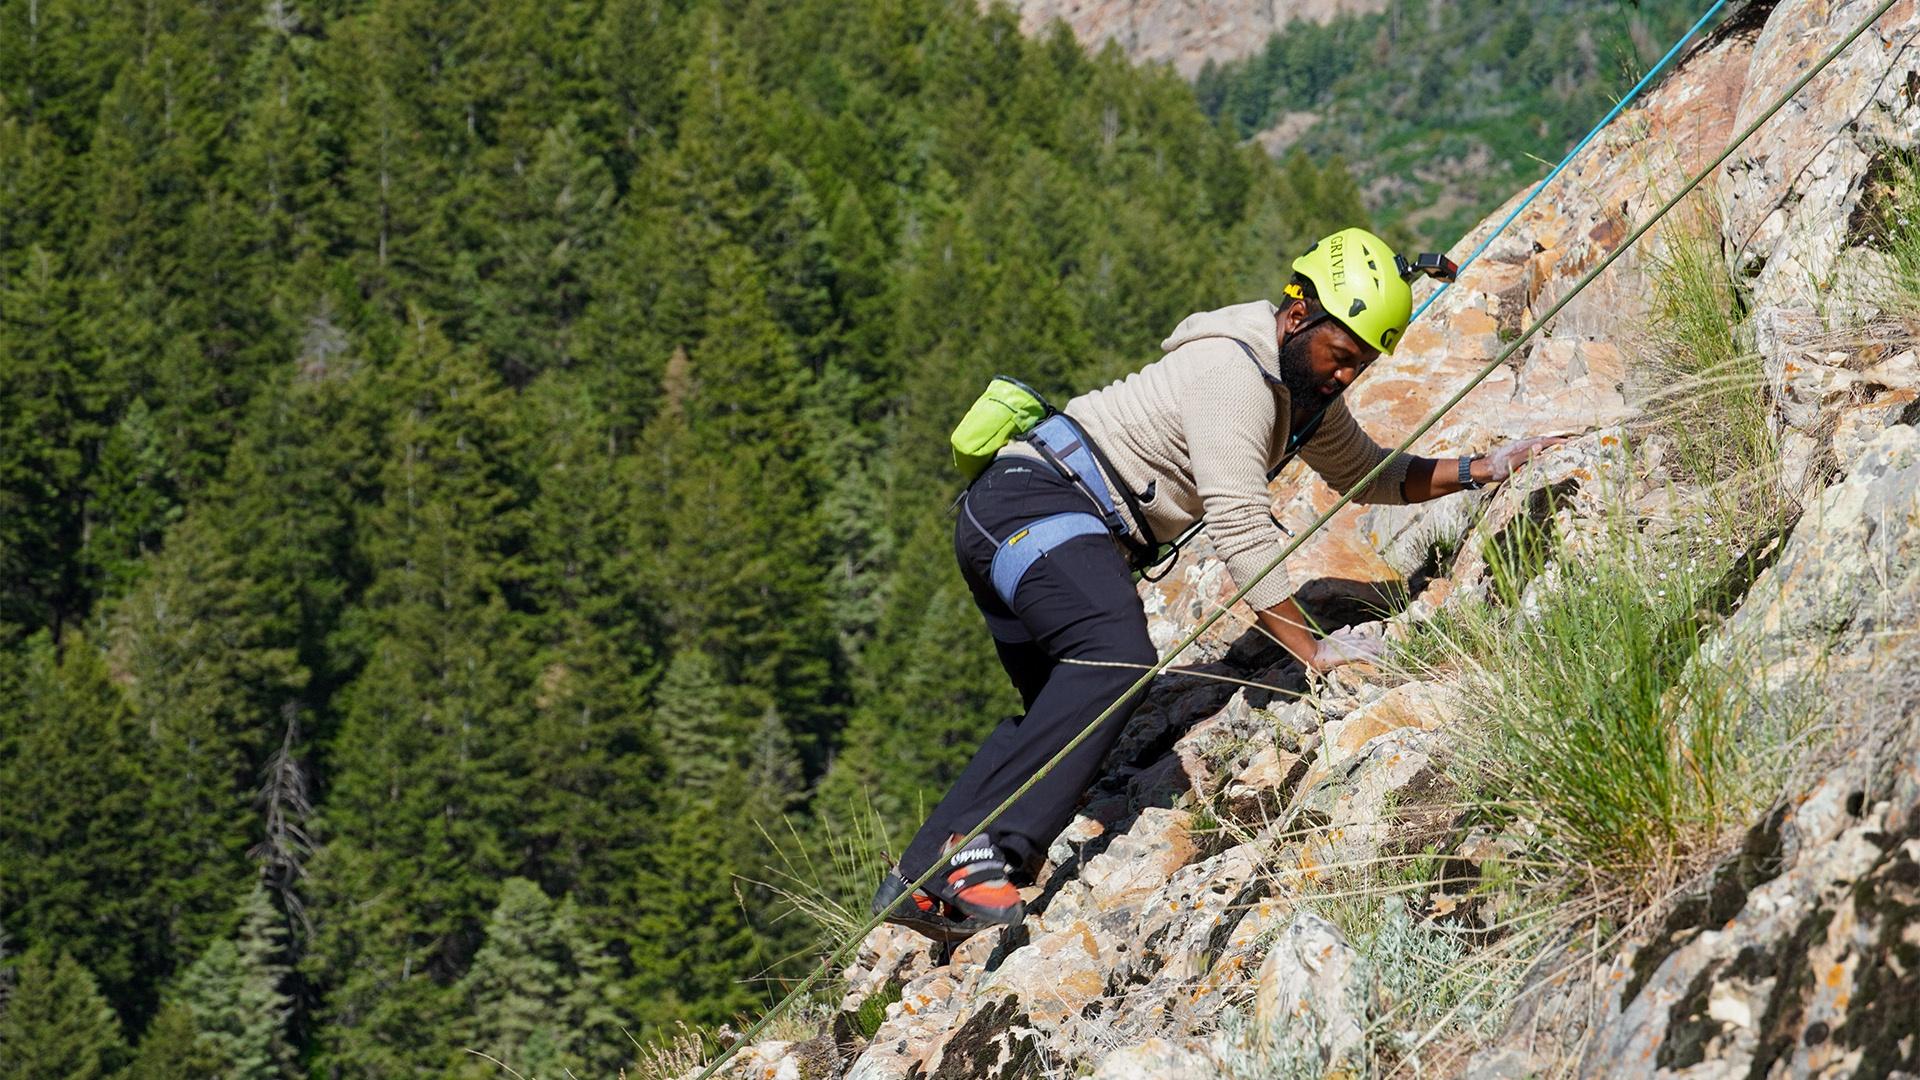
x,y
1049,552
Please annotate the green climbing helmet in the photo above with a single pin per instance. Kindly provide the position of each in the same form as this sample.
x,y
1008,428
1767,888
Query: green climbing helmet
x,y
1362,283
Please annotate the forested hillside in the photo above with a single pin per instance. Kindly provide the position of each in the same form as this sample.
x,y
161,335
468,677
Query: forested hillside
x,y
465,463
1444,108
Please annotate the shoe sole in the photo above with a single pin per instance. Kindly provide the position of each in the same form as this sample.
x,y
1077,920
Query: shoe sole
x,y
901,911
936,928
1012,916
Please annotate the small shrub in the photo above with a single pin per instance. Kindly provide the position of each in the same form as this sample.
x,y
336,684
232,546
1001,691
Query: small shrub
x,y
873,1011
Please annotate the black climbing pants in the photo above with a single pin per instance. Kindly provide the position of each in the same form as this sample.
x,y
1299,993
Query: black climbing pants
x,y
1076,603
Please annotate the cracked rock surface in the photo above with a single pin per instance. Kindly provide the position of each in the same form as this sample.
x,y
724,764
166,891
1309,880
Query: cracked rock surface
x,y
1184,891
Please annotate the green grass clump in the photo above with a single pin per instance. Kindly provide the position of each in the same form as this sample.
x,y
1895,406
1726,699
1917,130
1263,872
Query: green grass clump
x,y
1701,385
1890,222
1622,756
825,870
672,1056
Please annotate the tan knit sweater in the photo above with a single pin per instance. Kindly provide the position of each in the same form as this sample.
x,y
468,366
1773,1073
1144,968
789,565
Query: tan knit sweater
x,y
1203,427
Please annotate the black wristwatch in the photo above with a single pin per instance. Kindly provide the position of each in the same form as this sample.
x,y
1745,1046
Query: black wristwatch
x,y
1467,482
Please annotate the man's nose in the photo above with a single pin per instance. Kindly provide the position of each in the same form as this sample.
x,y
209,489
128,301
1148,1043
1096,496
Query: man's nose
x,y
1345,374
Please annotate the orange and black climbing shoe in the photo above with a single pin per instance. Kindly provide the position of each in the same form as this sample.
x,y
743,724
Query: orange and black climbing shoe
x,y
923,914
975,881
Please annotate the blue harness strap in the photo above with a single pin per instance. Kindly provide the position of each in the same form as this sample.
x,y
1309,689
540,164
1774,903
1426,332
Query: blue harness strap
x,y
1020,551
1062,439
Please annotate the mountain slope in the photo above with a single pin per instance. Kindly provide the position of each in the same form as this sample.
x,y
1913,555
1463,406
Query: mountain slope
x,y
1263,886
1187,34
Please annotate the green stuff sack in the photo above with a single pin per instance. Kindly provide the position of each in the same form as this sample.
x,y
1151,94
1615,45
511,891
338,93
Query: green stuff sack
x,y
1008,408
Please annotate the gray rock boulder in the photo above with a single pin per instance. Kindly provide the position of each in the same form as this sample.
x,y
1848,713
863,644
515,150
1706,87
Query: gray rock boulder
x,y
1315,1000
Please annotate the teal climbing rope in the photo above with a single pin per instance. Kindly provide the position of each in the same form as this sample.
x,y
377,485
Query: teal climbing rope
x,y
1619,107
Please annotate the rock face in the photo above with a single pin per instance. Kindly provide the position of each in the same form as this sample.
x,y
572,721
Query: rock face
x,y
1184,33
1802,954
1188,923
1315,1001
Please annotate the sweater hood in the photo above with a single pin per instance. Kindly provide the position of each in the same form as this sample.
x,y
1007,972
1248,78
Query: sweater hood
x,y
1251,323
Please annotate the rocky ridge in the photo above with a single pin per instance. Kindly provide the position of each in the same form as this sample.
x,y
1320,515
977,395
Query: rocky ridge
x,y
1184,33
1181,930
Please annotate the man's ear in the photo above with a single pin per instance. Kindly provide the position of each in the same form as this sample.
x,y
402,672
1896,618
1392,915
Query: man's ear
x,y
1292,314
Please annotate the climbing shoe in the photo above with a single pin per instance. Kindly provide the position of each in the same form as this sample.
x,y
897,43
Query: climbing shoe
x,y
921,913
975,880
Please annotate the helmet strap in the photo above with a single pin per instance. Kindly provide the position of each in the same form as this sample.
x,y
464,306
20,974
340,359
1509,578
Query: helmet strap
x,y
1312,321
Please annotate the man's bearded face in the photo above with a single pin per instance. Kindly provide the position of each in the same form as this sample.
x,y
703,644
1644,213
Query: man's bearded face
x,y
1296,368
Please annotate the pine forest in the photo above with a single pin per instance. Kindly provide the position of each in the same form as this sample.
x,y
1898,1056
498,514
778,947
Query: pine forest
x,y
473,489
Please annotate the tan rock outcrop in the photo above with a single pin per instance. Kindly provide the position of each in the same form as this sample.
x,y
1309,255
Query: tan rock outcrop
x,y
1177,899
1137,863
1184,33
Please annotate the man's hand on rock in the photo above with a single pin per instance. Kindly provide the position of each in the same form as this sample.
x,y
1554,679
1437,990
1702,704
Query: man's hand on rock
x,y
1504,459
1347,645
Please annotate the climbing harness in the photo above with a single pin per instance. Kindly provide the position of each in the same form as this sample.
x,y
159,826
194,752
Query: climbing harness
x,y
1068,450
839,955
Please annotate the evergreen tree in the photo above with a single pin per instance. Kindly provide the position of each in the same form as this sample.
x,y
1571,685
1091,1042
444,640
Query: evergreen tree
x,y
304,470
235,997
36,189
58,58
863,295
286,154
54,404
539,997
694,944
130,501
742,544
56,1026
182,322
594,768
205,687
75,839
552,221
171,1049
428,791
645,293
